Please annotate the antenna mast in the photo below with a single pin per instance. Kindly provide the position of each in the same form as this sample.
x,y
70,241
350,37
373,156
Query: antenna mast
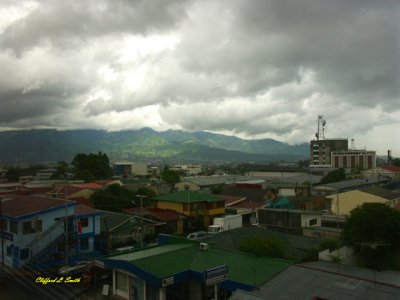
x,y
321,126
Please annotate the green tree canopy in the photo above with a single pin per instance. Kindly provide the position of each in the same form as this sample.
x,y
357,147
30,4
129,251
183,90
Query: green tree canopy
x,y
62,169
373,229
270,246
113,198
334,176
170,176
396,162
91,166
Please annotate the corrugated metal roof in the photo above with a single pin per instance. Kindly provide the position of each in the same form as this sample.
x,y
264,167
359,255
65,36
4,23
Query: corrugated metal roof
x,y
330,281
167,260
187,197
24,205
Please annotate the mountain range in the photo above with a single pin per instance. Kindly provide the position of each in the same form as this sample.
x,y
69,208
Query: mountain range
x,y
51,145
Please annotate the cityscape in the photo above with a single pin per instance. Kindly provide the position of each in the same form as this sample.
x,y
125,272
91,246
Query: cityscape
x,y
200,150
94,228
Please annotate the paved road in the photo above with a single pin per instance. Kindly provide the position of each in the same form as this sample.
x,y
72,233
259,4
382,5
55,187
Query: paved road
x,y
25,287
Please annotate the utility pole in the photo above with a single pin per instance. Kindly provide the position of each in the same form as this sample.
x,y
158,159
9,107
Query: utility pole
x,y
2,232
141,217
311,189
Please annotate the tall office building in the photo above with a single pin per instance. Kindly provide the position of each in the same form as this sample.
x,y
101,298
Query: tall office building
x,y
321,150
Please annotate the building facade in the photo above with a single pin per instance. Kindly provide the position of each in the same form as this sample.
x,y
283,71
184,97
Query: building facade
x,y
353,159
320,150
40,230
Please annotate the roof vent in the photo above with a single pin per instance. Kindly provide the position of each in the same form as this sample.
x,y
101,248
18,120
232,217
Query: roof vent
x,y
204,246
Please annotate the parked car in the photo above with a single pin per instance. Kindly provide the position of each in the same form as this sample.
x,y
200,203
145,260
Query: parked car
x,y
77,268
197,235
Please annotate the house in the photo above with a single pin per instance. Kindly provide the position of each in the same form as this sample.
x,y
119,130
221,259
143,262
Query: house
x,y
200,207
73,192
274,171
119,230
281,202
343,203
168,221
349,185
188,170
392,196
207,182
181,269
45,174
34,230
389,171
251,184
288,219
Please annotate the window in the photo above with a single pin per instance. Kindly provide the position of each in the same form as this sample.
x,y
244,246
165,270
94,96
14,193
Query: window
x,y
313,222
121,281
27,227
24,253
84,244
4,225
37,225
9,250
32,226
13,227
84,222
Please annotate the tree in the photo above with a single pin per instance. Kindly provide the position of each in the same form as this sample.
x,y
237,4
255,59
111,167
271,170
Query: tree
x,y
334,176
218,189
269,245
13,174
62,169
148,193
92,166
373,229
396,162
170,176
112,198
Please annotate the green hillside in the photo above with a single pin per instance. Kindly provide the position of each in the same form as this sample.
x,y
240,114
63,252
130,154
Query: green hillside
x,y
46,146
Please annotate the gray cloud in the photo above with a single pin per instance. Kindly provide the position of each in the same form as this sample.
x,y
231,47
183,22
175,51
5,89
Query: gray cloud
x,y
68,24
255,69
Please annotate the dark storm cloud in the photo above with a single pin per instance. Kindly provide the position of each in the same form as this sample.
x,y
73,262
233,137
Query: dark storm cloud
x,y
245,67
68,23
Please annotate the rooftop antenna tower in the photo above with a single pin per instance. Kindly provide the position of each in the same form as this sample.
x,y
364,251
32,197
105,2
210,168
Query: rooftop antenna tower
x,y
321,128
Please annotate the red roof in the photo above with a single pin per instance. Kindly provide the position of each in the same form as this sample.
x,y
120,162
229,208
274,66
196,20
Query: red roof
x,y
392,168
88,185
24,205
83,200
104,182
62,191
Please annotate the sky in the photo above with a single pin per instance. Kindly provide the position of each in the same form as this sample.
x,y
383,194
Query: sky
x,y
254,69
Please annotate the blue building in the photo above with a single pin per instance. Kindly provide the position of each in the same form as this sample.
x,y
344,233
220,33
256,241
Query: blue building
x,y
40,232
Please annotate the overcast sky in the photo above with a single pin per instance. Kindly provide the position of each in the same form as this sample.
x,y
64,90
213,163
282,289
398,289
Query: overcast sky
x,y
254,69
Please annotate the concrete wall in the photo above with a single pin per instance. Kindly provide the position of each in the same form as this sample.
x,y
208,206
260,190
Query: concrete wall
x,y
343,203
345,255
